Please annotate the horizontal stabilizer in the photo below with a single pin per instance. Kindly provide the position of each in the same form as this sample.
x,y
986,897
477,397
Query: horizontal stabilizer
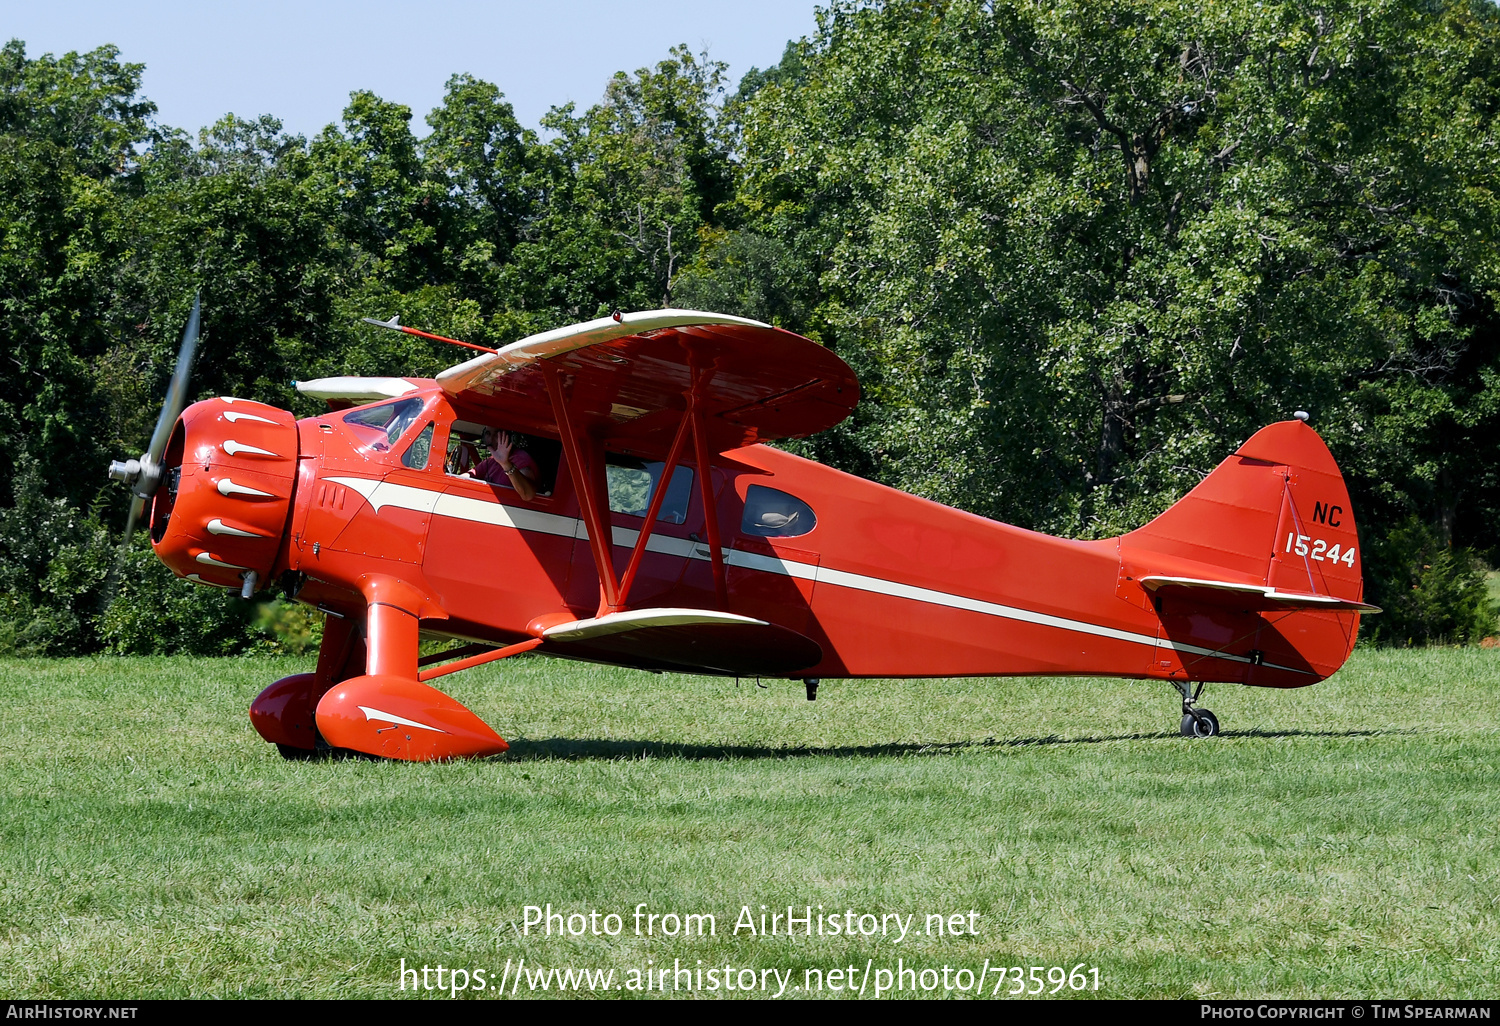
x,y
694,640
1252,597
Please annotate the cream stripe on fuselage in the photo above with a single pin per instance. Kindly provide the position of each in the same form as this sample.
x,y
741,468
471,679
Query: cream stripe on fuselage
x,y
480,511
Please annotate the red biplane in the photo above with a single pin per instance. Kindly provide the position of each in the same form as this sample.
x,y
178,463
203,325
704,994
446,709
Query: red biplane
x,y
663,535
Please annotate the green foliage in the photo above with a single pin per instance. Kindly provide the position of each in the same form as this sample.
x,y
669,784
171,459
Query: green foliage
x,y
479,231
69,129
628,185
290,628
743,273
54,563
153,613
1429,593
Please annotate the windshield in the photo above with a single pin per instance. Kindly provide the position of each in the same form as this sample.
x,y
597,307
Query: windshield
x,y
380,427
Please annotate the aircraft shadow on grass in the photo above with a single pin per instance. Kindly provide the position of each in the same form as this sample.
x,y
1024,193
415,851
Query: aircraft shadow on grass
x,y
566,748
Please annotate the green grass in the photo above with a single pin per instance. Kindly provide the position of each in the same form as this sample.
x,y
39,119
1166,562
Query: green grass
x,y
1336,841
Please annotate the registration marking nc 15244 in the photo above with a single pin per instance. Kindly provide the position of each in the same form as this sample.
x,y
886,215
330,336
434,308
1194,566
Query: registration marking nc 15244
x,y
1319,549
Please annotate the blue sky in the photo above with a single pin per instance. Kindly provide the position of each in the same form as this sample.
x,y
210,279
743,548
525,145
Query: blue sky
x,y
300,61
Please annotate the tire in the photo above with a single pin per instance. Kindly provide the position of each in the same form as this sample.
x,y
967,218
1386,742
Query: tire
x,y
1200,723
293,754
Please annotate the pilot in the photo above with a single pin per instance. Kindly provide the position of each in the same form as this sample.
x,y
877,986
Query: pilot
x,y
508,464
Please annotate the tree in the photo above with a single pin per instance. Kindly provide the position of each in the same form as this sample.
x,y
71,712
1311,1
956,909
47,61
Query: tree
x,y
1078,253
69,131
626,188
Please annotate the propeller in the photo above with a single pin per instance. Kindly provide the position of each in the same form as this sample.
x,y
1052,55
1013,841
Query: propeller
x,y
144,475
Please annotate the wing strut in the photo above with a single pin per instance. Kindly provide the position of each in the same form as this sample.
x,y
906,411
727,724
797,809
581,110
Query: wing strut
x,y
705,477
673,455
588,479
584,455
487,656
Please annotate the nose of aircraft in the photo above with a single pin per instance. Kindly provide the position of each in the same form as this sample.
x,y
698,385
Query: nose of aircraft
x,y
220,513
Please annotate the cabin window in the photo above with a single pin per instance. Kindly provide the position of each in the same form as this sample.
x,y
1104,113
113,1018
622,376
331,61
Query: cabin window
x,y
380,427
467,450
420,450
632,483
771,513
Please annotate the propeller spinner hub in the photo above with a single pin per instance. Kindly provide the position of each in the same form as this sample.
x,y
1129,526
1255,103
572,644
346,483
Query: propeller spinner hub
x,y
227,481
126,472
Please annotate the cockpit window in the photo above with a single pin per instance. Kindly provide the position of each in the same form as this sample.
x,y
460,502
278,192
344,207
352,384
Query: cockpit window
x,y
770,513
419,450
380,427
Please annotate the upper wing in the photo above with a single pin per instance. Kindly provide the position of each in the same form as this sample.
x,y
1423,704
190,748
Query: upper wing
x,y
626,379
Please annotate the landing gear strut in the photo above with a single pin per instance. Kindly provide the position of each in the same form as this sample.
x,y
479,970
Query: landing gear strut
x,y
1195,722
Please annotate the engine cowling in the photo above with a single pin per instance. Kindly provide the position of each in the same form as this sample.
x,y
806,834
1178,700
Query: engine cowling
x,y
222,509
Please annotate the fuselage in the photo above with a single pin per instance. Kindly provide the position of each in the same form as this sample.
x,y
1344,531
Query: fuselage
x,y
886,583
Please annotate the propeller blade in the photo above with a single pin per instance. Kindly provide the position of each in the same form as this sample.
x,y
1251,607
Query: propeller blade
x,y
137,507
112,582
144,475
177,390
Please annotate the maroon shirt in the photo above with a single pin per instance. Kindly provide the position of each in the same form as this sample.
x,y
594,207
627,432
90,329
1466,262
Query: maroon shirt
x,y
489,469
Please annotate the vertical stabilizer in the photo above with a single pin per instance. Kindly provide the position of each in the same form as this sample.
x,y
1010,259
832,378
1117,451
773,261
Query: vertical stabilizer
x,y
1262,556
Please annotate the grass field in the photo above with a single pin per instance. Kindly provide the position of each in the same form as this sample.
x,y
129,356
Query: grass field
x,y
1336,841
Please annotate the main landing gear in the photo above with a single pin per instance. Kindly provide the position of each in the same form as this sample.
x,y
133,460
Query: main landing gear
x,y
1195,722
